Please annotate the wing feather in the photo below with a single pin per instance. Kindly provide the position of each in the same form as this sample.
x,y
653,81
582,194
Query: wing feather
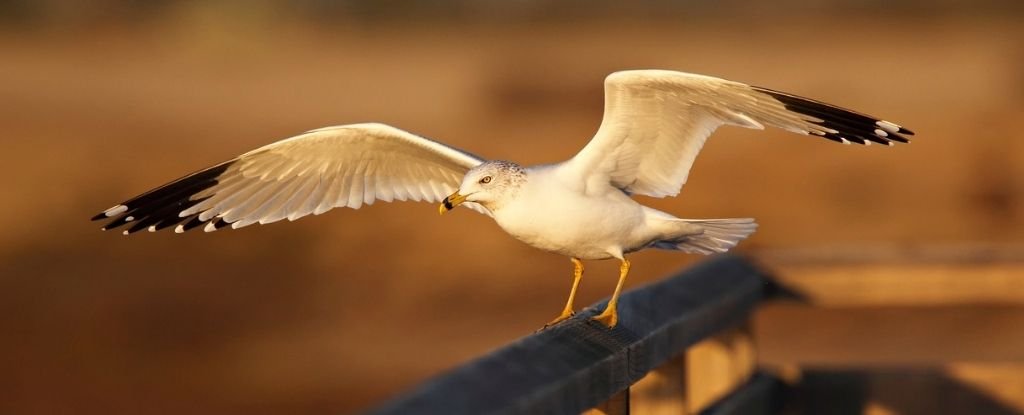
x,y
349,165
355,190
655,122
294,207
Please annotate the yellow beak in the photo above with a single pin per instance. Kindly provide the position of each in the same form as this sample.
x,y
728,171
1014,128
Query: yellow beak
x,y
451,202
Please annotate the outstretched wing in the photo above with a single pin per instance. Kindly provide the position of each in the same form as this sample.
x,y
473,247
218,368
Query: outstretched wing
x,y
655,122
349,165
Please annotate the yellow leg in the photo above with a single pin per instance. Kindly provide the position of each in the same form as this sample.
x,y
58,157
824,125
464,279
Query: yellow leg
x,y
610,315
577,274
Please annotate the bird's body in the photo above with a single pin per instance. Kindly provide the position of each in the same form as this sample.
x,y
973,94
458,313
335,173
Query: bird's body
x,y
574,213
573,209
654,125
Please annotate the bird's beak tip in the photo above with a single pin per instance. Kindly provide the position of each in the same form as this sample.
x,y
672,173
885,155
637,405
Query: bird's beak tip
x,y
450,202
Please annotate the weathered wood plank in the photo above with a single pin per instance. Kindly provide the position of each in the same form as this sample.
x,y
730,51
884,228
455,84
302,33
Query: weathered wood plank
x,y
897,274
579,364
905,284
802,335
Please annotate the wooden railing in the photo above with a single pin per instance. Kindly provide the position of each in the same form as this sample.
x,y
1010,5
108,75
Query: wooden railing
x,y
682,346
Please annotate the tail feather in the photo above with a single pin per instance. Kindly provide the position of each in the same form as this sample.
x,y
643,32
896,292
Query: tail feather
x,y
719,235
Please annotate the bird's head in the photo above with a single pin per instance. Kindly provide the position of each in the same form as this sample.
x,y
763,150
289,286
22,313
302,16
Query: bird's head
x,y
489,184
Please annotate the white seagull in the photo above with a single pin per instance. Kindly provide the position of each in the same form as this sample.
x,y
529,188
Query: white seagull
x,y
655,122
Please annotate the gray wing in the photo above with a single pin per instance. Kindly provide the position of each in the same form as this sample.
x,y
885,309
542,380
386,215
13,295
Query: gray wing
x,y
349,165
655,122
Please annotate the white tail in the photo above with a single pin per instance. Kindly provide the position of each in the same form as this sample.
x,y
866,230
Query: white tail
x,y
719,235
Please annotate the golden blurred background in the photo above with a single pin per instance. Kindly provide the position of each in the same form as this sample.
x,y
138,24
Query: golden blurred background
x,y
102,100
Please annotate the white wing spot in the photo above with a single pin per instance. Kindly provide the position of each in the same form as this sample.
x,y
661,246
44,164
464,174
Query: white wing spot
x,y
116,210
888,126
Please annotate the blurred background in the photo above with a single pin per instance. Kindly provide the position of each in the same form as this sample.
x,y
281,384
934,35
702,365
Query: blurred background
x,y
911,256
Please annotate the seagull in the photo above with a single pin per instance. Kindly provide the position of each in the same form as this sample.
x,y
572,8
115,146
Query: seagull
x,y
655,122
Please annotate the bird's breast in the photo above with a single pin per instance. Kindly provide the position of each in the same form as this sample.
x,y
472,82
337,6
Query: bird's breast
x,y
572,224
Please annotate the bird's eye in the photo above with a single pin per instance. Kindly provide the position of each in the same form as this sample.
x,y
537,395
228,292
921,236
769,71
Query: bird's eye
x,y
485,180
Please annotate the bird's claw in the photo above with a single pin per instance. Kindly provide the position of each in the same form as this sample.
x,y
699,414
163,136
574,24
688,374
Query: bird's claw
x,y
608,319
567,314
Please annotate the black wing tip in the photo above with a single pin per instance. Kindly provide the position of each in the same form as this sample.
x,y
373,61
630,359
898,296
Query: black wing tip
x,y
111,212
189,225
850,126
220,223
181,225
161,207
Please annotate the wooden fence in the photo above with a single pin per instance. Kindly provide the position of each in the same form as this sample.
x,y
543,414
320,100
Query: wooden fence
x,y
682,346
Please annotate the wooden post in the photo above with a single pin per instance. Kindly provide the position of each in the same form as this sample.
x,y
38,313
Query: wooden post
x,y
701,375
718,365
663,390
